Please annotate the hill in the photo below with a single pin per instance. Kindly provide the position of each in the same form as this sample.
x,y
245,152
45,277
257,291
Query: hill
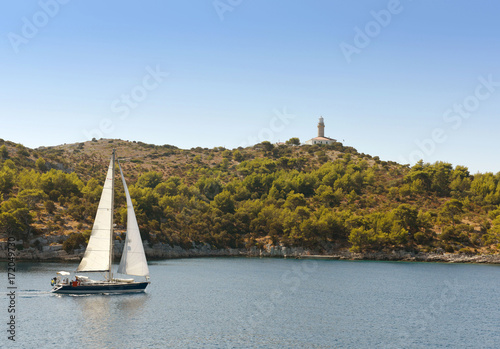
x,y
319,198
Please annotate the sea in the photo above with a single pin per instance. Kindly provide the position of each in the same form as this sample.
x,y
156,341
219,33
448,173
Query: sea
x,y
261,303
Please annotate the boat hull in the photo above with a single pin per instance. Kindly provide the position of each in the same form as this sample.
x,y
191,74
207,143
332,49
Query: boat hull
x,y
131,287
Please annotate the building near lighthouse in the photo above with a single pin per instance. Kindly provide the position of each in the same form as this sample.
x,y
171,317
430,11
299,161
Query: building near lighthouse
x,y
321,139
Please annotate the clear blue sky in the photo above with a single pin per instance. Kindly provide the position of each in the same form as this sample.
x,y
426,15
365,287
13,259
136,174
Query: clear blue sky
x,y
386,75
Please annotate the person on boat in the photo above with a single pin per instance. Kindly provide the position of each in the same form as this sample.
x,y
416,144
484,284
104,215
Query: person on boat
x,y
53,281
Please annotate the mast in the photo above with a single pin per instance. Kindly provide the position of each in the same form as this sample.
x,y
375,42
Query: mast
x,y
110,272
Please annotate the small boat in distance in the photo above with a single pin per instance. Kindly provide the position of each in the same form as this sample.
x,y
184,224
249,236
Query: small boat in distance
x,y
98,256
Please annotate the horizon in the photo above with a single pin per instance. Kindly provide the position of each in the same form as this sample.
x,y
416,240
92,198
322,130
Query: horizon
x,y
396,79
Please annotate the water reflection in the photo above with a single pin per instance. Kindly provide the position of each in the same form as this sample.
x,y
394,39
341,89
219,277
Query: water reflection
x,y
102,316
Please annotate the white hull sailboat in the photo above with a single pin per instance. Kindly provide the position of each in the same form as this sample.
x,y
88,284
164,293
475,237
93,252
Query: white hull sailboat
x,y
98,256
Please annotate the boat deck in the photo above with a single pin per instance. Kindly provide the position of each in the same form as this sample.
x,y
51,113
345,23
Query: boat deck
x,y
104,287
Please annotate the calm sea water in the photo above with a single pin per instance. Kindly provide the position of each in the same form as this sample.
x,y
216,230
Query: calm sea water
x,y
265,303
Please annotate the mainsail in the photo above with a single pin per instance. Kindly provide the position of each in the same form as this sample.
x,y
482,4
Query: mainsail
x,y
97,254
133,260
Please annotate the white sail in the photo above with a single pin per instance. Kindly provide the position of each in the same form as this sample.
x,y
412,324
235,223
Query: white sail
x,y
133,260
97,254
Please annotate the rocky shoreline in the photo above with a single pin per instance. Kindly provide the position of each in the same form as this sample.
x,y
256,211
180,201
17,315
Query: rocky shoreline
x,y
55,253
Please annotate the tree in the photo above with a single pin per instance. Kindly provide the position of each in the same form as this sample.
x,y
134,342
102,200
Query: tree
x,y
493,234
451,209
460,182
266,145
224,202
15,218
63,183
170,187
441,174
150,179
294,200
7,176
10,225
4,153
227,154
28,179
50,206
92,190
406,217
40,164
237,156
293,141
362,239
21,150
327,196
209,187
31,197
74,241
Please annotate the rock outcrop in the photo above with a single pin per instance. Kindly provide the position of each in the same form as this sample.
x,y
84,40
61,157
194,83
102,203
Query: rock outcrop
x,y
55,252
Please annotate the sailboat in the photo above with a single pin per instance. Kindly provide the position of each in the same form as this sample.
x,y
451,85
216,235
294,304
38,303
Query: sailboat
x,y
98,256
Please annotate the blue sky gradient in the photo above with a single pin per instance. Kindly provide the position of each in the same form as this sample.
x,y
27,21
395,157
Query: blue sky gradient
x,y
243,71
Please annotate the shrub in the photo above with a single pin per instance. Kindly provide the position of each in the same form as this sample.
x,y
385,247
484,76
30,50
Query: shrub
x,y
73,242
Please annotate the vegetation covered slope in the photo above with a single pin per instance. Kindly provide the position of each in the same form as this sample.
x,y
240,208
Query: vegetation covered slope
x,y
317,197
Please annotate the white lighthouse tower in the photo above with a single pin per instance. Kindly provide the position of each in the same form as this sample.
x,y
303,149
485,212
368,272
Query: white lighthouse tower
x,y
321,127
321,139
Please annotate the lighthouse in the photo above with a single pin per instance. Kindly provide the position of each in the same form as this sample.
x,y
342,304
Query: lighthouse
x,y
321,139
321,127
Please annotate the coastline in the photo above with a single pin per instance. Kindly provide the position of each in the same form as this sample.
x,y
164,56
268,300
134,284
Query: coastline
x,y
55,253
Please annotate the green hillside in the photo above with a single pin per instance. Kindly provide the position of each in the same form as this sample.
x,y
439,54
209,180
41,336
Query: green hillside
x,y
316,197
